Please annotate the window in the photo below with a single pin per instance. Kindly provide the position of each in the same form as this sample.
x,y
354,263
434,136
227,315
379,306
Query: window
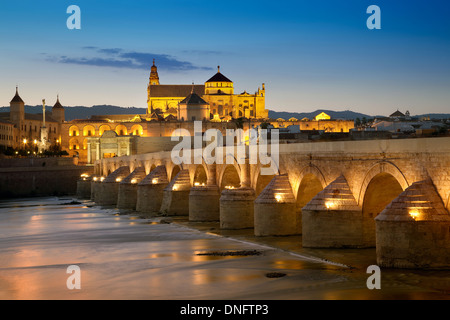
x,y
193,118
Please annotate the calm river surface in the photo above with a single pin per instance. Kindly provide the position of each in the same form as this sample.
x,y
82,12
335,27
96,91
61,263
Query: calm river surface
x,y
127,257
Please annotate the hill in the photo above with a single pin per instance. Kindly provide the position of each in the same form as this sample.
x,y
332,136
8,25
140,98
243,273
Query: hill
x,y
346,115
82,112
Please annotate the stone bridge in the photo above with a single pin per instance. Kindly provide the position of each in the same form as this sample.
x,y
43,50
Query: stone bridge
x,y
390,194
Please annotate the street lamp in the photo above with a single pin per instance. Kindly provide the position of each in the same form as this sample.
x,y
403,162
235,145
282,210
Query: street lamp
x,y
35,146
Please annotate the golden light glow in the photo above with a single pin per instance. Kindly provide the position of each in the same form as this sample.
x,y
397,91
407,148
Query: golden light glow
x,y
102,178
197,184
35,141
230,187
330,204
278,197
84,175
24,141
118,179
134,181
414,214
95,179
175,188
155,181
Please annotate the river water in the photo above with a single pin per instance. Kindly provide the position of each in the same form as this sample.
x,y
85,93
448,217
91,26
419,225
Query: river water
x,y
122,256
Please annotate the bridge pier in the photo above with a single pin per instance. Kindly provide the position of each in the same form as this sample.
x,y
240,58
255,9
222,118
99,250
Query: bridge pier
x,y
237,205
275,209
108,191
175,200
95,187
127,197
204,203
413,231
204,200
84,187
333,219
237,208
150,191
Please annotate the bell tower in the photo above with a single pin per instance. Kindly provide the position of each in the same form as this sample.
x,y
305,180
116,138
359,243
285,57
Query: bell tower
x,y
154,78
153,81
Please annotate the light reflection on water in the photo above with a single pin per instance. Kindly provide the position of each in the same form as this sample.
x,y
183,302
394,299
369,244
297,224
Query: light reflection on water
x,y
125,257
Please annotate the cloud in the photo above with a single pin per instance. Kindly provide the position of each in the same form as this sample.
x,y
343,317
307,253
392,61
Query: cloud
x,y
205,52
119,58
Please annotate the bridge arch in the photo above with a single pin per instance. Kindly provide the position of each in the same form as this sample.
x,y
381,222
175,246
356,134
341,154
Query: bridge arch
x,y
229,176
381,167
260,181
309,183
382,183
200,175
173,171
307,174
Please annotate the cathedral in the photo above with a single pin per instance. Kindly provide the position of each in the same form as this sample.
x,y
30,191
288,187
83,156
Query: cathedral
x,y
216,94
170,107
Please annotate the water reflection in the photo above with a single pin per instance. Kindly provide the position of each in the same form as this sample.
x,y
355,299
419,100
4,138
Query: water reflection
x,y
126,257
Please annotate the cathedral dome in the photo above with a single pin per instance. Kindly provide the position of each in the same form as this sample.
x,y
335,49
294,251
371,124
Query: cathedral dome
x,y
193,98
218,77
193,108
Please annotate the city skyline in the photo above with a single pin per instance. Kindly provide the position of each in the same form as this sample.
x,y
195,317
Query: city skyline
x,y
310,56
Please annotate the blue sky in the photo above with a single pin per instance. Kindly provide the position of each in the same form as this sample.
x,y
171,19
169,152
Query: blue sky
x,y
310,54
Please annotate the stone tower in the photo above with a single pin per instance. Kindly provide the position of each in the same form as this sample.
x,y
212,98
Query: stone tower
x,y
17,110
58,111
154,78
